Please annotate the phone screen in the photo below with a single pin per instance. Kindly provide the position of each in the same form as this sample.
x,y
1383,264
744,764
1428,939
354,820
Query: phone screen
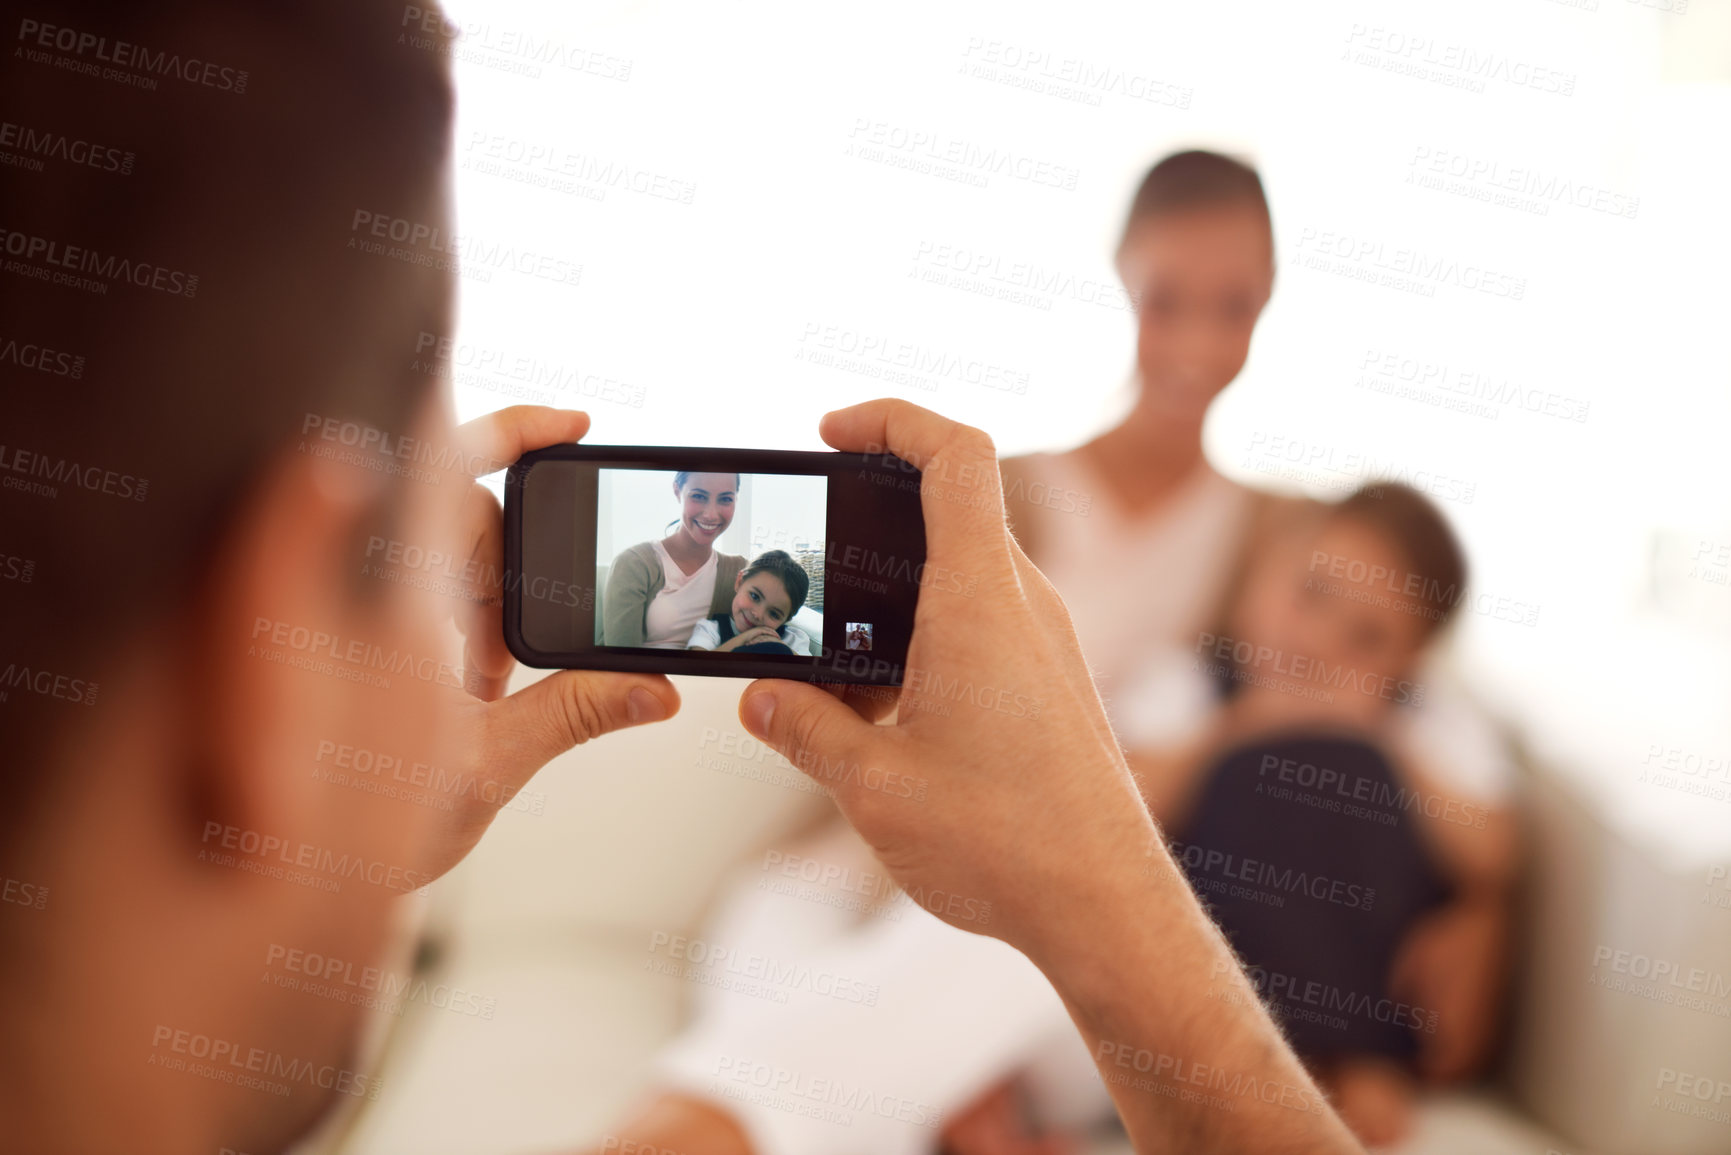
x,y
729,562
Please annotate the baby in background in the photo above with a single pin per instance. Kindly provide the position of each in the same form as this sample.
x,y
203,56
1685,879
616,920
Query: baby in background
x,y
766,595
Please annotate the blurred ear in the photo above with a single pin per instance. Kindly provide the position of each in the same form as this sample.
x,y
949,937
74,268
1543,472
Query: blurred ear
x,y
284,575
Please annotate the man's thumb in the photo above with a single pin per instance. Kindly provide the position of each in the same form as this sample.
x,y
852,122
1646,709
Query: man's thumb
x,y
809,726
566,709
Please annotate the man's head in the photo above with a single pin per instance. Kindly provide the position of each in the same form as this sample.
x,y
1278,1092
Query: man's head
x,y
196,502
1198,257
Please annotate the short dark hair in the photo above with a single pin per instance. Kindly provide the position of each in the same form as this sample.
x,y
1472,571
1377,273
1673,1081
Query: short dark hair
x,y
251,183
1197,179
780,564
1408,519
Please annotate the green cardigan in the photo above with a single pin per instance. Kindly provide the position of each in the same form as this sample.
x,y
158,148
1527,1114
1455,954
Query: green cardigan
x,y
635,579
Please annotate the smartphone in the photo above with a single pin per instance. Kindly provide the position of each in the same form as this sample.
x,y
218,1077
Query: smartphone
x,y
739,563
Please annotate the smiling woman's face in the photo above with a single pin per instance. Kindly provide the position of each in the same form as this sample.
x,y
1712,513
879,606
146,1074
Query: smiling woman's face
x,y
706,505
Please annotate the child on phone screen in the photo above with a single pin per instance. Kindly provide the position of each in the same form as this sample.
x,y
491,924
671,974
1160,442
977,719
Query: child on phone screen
x,y
767,594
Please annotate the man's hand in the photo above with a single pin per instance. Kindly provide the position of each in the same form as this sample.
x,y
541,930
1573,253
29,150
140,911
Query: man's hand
x,y
1026,808
997,711
505,740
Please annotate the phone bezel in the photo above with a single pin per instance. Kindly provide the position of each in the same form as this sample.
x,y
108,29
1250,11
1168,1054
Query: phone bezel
x,y
840,667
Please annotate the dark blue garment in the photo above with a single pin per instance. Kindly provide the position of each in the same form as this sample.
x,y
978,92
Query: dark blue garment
x,y
1306,851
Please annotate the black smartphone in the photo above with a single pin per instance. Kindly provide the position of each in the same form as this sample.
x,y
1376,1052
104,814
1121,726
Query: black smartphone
x,y
740,563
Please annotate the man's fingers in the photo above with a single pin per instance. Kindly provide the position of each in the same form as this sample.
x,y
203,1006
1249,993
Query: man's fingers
x,y
961,492
480,612
566,709
809,726
492,442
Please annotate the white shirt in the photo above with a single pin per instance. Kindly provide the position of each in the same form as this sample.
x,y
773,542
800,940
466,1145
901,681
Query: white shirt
x,y
680,604
1137,584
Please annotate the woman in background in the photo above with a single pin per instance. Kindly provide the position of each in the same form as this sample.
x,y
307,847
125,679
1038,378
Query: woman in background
x,y
657,591
1151,564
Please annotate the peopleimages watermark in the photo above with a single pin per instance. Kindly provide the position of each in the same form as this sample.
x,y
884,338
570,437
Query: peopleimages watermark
x,y
898,362
549,165
831,884
327,977
328,868
1691,1094
1401,267
41,359
1066,77
1247,660
1258,880
307,648
1360,796
1448,64
1717,891
41,474
932,153
1291,997
134,64
1354,579
990,275
502,48
523,377
1460,389
862,892
1330,467
808,771
47,683
258,1069
831,1100
30,148
469,579
421,783
976,484
1519,187
17,569
1687,771
369,447
1177,1077
1661,980
430,245
874,569
764,976
55,262
17,892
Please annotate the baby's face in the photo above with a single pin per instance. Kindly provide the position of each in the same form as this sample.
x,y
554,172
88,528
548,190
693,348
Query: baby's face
x,y
1201,278
1336,597
761,600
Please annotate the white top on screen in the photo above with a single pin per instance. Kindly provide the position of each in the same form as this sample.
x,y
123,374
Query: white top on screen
x,y
680,604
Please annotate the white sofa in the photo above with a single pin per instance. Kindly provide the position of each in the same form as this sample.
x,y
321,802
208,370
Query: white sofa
x,y
552,914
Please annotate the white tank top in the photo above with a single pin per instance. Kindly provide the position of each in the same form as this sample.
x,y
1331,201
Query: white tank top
x,y
1139,585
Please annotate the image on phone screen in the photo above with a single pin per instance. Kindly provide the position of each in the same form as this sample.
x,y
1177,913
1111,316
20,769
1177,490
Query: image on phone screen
x,y
729,562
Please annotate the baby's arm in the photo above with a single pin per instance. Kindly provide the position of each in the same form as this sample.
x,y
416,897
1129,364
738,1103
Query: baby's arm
x,y
706,636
